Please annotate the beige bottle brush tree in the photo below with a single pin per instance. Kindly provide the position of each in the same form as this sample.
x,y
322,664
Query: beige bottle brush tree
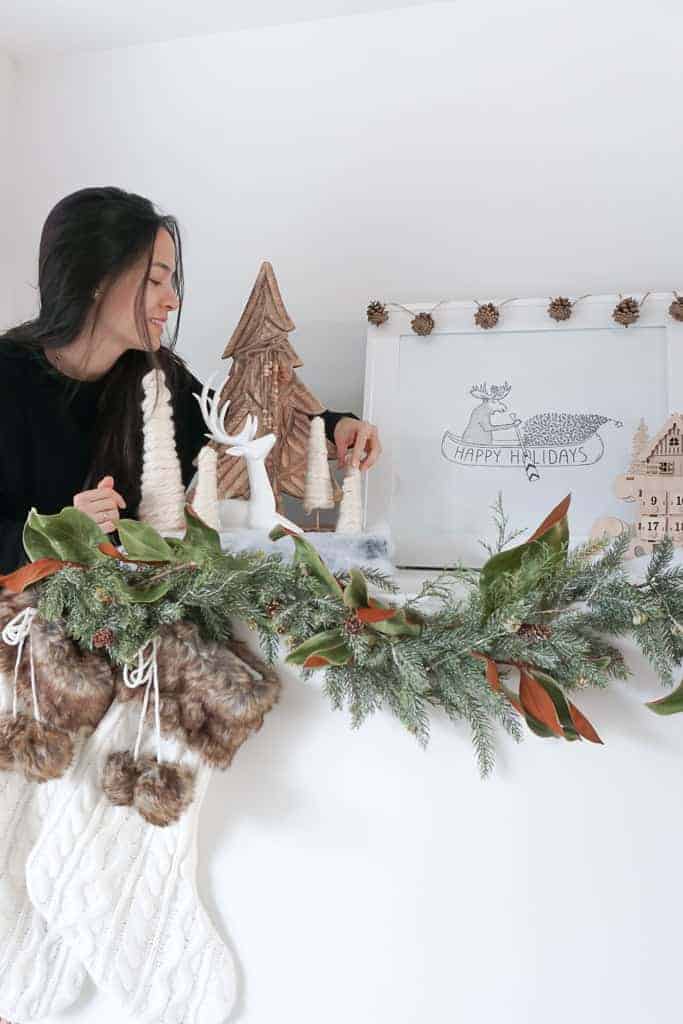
x,y
205,499
162,493
318,486
351,511
263,383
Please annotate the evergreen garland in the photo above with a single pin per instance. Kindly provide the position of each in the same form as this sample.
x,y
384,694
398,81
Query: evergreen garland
x,y
532,627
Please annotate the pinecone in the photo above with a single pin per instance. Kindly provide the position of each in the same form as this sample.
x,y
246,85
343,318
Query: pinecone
x,y
487,315
103,637
534,631
676,308
273,608
560,308
627,311
353,625
102,596
423,324
377,313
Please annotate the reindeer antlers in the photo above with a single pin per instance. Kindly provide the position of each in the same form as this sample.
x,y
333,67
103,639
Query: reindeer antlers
x,y
495,391
215,421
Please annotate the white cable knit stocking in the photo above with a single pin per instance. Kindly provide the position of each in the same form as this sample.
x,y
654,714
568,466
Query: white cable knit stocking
x,y
39,974
121,892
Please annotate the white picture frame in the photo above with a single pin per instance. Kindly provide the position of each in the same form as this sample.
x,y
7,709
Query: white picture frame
x,y
561,379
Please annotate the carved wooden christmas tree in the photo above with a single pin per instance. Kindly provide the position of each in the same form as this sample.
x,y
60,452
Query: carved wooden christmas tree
x,y
263,382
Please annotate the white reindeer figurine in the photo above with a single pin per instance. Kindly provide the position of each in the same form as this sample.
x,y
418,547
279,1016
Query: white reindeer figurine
x,y
262,513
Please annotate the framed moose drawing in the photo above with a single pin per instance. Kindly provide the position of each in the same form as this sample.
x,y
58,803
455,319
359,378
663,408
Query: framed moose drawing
x,y
531,408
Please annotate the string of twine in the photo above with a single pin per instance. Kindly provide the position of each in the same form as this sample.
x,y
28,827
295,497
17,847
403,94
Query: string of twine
x,y
146,673
499,305
15,634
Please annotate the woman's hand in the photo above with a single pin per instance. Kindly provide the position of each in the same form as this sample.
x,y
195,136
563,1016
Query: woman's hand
x,y
102,505
362,437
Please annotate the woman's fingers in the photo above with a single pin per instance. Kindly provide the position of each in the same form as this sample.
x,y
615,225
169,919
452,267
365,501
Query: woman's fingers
x,y
374,450
362,436
101,504
368,445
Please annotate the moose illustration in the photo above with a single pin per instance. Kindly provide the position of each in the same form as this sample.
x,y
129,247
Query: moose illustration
x,y
479,429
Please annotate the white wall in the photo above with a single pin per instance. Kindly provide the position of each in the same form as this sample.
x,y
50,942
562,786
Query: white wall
x,y
8,165
456,150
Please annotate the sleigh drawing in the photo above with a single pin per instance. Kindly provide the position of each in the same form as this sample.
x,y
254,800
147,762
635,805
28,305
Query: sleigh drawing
x,y
544,440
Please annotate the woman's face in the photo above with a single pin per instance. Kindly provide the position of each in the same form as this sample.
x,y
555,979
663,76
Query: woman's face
x,y
117,309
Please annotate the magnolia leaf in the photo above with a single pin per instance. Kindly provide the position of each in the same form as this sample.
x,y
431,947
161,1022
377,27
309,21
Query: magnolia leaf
x,y
200,537
339,655
72,536
319,644
36,545
375,614
356,593
142,542
539,728
22,578
305,554
553,533
397,625
560,702
582,725
669,705
537,703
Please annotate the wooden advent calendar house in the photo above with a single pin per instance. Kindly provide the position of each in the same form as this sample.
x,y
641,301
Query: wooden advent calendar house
x,y
655,481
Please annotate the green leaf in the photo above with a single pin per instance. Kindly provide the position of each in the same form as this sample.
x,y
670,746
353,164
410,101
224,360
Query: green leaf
x,y
398,625
142,541
199,537
71,535
539,728
321,643
141,594
553,534
305,554
36,544
356,593
672,704
560,703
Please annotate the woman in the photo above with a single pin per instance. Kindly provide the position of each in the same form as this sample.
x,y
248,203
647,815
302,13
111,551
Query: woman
x,y
110,272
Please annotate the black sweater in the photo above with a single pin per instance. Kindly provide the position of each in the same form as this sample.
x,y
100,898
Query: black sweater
x,y
47,435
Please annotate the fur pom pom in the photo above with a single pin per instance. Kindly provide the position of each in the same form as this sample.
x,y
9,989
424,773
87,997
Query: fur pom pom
x,y
10,732
163,792
119,777
43,752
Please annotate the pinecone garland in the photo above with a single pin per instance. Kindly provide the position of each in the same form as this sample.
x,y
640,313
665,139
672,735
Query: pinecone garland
x,y
534,631
560,308
676,308
377,313
487,315
103,637
626,311
423,324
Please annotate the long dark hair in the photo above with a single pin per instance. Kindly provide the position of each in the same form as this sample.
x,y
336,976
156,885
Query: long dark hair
x,y
89,239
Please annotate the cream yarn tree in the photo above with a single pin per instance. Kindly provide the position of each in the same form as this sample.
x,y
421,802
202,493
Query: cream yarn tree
x,y
163,495
318,488
351,510
205,502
